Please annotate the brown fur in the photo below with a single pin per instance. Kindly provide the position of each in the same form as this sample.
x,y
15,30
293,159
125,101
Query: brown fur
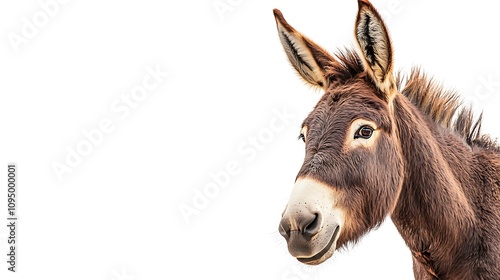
x,y
431,170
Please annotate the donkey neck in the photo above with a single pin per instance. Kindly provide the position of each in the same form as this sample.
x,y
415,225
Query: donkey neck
x,y
433,213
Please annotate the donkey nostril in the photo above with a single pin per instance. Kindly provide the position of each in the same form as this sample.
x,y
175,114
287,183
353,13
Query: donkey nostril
x,y
304,223
313,226
284,230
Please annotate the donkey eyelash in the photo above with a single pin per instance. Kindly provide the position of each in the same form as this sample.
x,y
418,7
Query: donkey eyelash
x,y
301,137
361,134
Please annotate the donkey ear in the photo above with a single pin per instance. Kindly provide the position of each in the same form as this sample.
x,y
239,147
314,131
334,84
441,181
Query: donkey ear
x,y
309,59
375,45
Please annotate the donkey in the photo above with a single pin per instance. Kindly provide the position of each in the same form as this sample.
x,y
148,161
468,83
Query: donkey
x,y
379,144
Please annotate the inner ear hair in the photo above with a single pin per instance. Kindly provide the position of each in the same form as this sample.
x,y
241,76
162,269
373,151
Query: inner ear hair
x,y
375,46
308,59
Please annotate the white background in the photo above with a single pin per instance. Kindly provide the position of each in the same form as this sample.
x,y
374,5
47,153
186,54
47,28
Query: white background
x,y
116,214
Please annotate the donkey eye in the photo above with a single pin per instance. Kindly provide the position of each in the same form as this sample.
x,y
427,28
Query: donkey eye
x,y
302,137
364,132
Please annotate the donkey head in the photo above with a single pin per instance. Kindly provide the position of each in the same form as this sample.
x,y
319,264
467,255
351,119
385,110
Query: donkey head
x,y
352,172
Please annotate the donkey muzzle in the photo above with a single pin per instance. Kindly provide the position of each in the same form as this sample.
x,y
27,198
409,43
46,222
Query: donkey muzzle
x,y
311,223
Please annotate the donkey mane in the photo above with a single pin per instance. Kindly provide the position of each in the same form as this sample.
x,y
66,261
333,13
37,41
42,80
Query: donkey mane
x,y
442,105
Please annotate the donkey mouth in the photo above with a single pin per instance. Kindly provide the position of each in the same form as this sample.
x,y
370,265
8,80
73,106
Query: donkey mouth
x,y
325,253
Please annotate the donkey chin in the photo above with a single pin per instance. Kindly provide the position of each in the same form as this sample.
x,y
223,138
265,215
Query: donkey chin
x,y
311,222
